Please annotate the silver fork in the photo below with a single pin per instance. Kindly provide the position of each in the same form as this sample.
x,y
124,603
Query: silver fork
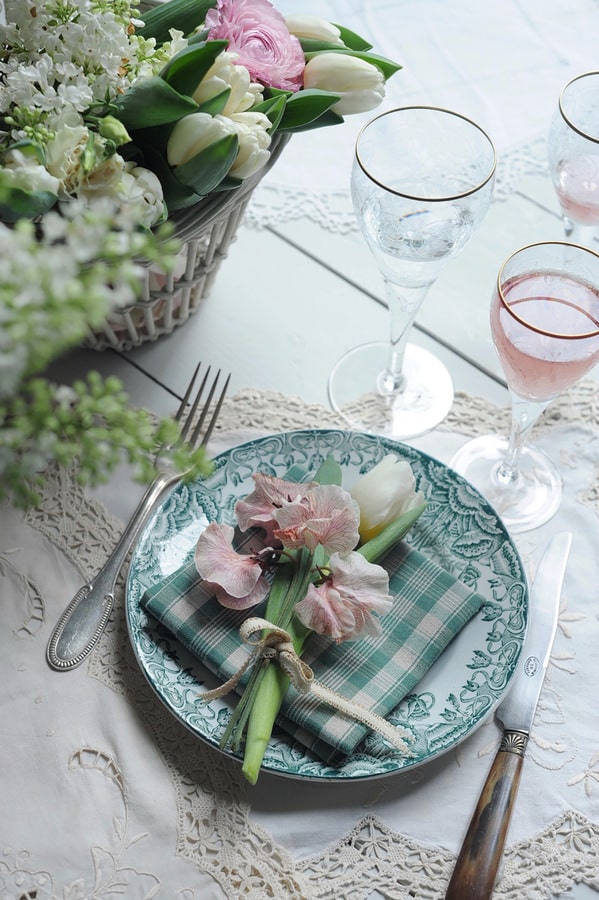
x,y
85,618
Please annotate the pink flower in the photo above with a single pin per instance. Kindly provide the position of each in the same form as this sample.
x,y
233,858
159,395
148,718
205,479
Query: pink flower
x,y
269,494
326,515
238,581
257,32
343,605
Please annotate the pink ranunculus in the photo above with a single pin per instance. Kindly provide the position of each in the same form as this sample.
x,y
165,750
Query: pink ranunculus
x,y
326,515
342,606
269,494
258,33
238,580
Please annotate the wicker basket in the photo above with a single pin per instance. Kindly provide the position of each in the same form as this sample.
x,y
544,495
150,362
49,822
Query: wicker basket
x,y
167,301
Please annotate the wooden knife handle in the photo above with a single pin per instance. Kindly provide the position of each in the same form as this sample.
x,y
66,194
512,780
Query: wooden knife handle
x,y
476,867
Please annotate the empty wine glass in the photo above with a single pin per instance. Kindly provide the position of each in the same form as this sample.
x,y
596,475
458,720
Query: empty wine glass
x,y
545,326
573,152
422,181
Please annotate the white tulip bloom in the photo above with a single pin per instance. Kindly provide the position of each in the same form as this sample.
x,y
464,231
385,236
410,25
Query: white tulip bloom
x,y
194,133
224,74
314,28
360,84
384,493
254,141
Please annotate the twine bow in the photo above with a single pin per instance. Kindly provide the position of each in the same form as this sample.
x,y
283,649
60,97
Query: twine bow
x,y
269,642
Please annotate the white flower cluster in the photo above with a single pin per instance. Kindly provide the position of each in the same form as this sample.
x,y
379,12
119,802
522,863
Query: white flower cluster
x,y
64,58
62,276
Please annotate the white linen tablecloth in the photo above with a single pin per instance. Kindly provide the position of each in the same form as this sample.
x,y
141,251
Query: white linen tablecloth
x,y
502,64
104,792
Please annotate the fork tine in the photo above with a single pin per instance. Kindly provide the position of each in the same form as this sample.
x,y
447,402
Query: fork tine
x,y
215,415
205,409
185,399
194,406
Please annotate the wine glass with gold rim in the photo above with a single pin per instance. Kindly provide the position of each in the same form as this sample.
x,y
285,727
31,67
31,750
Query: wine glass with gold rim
x,y
545,327
422,181
573,153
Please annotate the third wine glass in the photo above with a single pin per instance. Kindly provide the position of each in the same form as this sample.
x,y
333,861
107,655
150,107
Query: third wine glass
x,y
545,326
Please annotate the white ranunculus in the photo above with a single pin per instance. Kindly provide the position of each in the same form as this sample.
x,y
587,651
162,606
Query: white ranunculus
x,y
142,188
24,172
104,178
360,84
225,74
63,154
313,28
384,493
194,133
254,141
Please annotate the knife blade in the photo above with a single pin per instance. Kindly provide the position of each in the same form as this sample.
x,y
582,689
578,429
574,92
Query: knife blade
x,y
475,871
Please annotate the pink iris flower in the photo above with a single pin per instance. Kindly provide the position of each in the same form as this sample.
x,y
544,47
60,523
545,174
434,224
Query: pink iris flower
x,y
343,605
269,495
237,580
257,32
327,515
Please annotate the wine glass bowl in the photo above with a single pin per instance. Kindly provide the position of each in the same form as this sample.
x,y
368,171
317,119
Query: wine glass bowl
x,y
573,153
421,182
545,327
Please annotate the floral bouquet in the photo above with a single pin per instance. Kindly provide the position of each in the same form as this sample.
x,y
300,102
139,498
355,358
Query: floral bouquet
x,y
96,102
318,570
113,121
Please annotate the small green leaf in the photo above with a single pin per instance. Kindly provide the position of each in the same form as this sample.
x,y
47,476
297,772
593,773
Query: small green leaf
x,y
15,203
352,40
203,172
329,472
305,107
216,104
273,108
184,15
151,101
185,70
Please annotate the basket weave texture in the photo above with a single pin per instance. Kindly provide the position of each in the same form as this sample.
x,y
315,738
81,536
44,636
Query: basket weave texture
x,y
167,301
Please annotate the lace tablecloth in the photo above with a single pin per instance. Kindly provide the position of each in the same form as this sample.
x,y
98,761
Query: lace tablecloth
x,y
104,793
502,64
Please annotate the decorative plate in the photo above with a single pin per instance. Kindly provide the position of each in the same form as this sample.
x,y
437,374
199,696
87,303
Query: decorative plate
x,y
458,529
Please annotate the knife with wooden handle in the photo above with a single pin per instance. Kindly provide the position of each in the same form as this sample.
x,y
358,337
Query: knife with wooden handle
x,y
476,868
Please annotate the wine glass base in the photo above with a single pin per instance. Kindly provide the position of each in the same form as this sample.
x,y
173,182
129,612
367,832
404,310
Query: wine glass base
x,y
527,502
419,407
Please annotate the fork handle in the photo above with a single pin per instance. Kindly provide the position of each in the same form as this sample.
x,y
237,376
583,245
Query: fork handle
x,y
85,618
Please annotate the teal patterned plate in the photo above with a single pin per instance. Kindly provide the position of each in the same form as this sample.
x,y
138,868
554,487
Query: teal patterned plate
x,y
458,529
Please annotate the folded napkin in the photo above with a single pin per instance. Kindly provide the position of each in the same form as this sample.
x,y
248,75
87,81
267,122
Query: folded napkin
x,y
430,607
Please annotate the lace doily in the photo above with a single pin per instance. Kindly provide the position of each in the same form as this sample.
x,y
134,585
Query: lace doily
x,y
225,829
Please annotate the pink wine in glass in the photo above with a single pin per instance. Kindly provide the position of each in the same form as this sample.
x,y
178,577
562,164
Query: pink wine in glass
x,y
577,187
539,331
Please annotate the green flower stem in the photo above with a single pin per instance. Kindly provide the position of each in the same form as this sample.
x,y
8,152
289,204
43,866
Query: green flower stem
x,y
377,546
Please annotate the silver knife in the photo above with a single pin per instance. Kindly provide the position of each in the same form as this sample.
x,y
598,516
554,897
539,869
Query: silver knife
x,y
476,867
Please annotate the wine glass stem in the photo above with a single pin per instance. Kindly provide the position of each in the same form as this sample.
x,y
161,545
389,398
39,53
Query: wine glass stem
x,y
524,415
403,303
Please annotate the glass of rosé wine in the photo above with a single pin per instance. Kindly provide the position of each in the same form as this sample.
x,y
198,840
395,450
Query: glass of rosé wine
x,y
545,327
573,152
421,183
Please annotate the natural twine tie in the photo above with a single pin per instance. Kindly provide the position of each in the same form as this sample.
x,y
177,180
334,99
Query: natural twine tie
x,y
276,644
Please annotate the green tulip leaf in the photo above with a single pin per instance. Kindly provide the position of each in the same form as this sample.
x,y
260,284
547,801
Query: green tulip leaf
x,y
16,203
184,15
306,107
150,102
204,172
352,40
216,104
387,66
29,148
273,108
176,195
185,70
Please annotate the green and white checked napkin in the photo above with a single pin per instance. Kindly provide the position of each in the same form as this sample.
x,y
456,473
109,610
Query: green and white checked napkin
x,y
430,607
